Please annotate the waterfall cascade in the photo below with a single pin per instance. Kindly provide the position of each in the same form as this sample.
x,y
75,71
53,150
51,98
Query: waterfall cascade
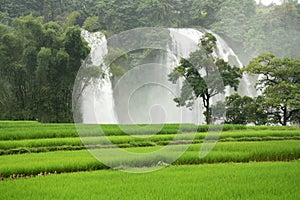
x,y
246,88
99,104
98,101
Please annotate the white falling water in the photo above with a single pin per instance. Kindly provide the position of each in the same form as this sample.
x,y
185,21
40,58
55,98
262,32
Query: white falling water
x,y
98,101
99,106
225,52
184,41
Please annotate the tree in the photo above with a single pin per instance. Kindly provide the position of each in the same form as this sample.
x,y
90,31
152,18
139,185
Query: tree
x,y
71,19
39,63
91,23
295,118
14,72
204,12
257,113
196,85
4,98
245,110
158,12
280,84
237,109
232,16
274,29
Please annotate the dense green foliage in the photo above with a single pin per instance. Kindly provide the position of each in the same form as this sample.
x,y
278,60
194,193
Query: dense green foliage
x,y
275,29
245,110
279,102
260,28
280,83
39,62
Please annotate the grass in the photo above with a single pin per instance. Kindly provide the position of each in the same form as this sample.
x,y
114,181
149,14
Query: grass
x,y
34,130
251,162
75,143
268,180
70,161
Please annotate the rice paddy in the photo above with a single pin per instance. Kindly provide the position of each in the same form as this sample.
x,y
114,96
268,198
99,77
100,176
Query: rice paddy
x,y
268,180
51,161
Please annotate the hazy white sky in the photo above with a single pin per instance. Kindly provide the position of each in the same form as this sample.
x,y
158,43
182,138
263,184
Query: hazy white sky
x,y
268,2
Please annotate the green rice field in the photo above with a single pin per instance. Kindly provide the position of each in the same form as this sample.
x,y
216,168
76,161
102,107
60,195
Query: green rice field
x,y
50,161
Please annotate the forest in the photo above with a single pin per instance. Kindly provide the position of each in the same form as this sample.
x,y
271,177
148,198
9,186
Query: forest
x,y
41,49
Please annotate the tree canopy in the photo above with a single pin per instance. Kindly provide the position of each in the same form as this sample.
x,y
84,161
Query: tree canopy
x,y
244,110
39,62
280,84
251,28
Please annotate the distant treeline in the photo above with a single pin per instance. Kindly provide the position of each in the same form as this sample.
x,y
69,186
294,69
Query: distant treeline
x,y
255,28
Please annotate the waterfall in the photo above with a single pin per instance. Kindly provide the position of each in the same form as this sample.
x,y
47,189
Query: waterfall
x,y
151,103
183,42
98,101
246,88
180,43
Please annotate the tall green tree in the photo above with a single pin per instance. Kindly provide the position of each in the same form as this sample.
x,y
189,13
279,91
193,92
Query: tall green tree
x,y
204,85
280,84
39,63
14,72
237,109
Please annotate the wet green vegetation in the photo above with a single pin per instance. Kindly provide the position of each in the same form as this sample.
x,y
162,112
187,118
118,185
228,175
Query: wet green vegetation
x,y
268,155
